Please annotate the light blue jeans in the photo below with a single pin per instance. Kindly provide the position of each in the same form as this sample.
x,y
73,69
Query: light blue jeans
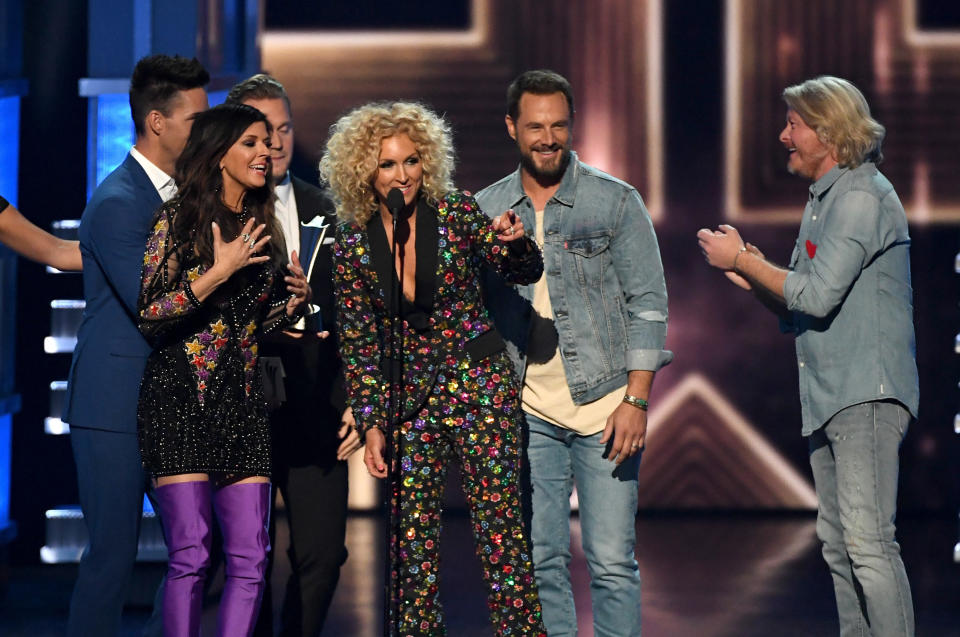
x,y
855,461
607,494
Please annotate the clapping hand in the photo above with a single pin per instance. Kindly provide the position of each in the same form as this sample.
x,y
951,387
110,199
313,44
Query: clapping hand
x,y
720,247
738,280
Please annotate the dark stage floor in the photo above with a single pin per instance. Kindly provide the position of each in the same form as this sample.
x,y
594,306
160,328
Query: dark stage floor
x,y
703,576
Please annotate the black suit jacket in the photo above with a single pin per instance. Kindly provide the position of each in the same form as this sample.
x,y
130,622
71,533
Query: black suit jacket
x,y
313,202
305,425
455,241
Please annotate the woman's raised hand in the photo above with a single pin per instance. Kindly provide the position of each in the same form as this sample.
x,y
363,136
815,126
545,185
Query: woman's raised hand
x,y
242,251
508,226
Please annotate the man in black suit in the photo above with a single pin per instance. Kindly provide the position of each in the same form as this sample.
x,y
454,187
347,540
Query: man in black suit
x,y
311,436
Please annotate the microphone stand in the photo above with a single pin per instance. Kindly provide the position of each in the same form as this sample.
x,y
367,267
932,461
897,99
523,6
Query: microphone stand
x,y
395,204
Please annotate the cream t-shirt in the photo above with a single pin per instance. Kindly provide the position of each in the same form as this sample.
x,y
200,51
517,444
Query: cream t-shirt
x,y
545,390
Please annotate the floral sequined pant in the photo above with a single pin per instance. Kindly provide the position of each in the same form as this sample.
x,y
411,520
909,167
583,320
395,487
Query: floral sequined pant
x,y
487,441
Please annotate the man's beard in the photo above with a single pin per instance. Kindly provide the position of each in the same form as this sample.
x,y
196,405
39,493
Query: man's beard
x,y
551,175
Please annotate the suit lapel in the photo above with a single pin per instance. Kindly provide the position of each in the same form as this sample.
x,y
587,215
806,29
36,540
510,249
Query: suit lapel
x,y
311,204
381,256
141,180
428,277
311,239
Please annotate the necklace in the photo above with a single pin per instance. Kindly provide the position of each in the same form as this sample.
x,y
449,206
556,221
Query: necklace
x,y
242,216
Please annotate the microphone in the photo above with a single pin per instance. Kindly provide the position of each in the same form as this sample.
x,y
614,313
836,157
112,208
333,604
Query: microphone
x,y
395,202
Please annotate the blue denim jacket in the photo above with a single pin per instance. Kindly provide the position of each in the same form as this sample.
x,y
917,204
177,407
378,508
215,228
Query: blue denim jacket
x,y
604,277
849,291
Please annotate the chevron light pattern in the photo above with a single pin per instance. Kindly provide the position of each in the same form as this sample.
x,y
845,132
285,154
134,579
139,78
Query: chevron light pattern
x,y
701,453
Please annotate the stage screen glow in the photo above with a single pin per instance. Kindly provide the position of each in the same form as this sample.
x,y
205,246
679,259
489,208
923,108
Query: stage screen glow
x,y
9,144
111,134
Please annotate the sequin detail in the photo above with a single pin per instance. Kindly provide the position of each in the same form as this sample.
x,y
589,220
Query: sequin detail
x,y
201,407
466,241
454,408
486,441
203,352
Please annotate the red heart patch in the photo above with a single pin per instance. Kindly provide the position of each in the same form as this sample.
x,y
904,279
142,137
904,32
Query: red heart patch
x,y
811,248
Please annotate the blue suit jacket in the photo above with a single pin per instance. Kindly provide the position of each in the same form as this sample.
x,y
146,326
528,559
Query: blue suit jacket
x,y
110,355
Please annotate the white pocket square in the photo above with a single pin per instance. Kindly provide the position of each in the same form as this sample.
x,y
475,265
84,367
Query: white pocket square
x,y
318,222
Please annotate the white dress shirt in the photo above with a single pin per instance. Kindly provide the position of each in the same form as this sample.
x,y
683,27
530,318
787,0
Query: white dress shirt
x,y
285,209
163,182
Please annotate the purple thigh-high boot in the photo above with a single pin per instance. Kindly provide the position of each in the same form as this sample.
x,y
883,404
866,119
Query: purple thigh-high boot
x,y
243,511
185,513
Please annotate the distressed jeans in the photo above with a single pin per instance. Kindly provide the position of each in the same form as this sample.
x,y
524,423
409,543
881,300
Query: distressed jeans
x,y
855,462
557,458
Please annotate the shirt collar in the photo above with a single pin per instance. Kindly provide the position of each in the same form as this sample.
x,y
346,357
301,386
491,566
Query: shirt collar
x,y
822,185
163,182
284,190
517,193
566,193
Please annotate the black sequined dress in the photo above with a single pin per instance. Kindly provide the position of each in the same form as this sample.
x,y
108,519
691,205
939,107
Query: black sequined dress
x,y
201,406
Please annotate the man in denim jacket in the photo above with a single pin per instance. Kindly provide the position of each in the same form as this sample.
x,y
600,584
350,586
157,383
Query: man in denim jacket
x,y
846,295
587,340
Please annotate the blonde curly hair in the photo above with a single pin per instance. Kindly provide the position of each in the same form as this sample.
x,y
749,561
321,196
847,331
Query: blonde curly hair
x,y
350,161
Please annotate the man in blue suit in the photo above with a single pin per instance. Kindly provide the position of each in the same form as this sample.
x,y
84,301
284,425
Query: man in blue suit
x,y
166,93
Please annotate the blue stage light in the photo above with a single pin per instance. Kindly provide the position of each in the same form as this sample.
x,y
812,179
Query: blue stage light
x,y
5,442
217,97
9,144
9,147
112,129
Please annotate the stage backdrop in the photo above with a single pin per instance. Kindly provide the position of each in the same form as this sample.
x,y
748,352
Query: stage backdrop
x,y
683,102
680,99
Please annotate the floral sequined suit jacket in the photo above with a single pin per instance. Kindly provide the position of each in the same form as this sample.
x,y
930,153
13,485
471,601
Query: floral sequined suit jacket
x,y
454,343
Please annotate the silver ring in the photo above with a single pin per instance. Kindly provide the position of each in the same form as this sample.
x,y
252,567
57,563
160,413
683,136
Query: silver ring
x,y
510,229
245,236
252,246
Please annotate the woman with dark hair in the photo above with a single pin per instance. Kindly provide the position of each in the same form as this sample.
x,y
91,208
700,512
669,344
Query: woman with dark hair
x,y
438,381
211,286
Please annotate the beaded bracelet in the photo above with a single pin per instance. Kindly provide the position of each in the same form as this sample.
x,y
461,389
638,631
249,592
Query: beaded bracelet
x,y
637,402
188,292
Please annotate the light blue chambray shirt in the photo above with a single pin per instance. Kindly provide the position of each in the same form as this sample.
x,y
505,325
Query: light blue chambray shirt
x,y
850,294
604,277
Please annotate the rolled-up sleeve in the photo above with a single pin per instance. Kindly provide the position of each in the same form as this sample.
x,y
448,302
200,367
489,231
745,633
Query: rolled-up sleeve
x,y
851,237
636,258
